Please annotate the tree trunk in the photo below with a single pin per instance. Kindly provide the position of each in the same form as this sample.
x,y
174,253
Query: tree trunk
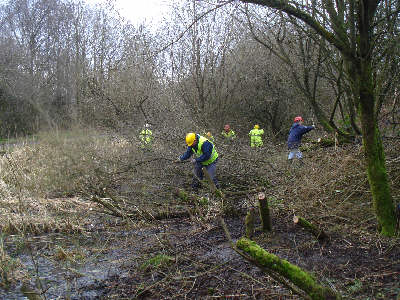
x,y
374,154
296,275
376,171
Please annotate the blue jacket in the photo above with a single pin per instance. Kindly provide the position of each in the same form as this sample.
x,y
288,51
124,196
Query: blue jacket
x,y
295,134
206,149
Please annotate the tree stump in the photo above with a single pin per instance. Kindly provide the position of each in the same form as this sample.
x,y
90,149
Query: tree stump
x,y
249,223
264,213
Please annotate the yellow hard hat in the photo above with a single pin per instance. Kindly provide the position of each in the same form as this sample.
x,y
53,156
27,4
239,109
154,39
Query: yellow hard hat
x,y
256,126
190,137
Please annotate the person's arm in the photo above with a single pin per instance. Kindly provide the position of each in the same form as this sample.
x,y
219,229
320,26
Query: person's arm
x,y
207,150
305,129
187,154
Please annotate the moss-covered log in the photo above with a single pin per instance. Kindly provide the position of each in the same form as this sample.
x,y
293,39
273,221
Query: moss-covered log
x,y
266,223
293,273
315,230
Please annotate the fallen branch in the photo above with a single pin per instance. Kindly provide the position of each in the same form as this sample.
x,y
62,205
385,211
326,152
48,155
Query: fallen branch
x,y
276,277
316,231
293,273
139,214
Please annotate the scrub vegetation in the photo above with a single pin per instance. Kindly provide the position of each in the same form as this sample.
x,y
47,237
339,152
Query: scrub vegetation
x,y
169,243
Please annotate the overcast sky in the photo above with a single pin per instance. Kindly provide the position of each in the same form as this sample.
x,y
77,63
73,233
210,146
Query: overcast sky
x,y
138,11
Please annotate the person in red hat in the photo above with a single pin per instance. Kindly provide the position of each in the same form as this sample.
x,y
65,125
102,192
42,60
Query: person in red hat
x,y
294,140
228,133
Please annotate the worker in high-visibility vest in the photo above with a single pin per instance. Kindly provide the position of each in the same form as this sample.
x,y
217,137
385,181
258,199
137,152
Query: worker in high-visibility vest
x,y
206,156
146,136
228,133
255,136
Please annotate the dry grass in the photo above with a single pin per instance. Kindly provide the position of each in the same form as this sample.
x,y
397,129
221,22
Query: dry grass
x,y
40,181
332,189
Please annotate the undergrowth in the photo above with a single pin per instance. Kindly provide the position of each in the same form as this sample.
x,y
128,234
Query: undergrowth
x,y
49,185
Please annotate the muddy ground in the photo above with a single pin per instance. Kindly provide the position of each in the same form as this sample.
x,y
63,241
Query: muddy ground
x,y
197,262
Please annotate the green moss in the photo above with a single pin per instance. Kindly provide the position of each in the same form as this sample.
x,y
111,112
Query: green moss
x,y
296,275
183,195
157,261
379,184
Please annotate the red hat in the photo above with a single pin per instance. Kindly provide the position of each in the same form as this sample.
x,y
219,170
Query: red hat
x,y
298,119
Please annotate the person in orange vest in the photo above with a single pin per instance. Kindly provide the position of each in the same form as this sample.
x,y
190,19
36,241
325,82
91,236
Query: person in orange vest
x,y
206,156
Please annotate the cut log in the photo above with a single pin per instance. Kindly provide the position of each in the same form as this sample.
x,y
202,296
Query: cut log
x,y
317,232
293,273
266,224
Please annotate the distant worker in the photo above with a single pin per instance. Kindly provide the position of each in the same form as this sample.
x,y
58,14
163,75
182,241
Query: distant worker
x,y
210,137
146,136
255,136
294,140
228,133
206,156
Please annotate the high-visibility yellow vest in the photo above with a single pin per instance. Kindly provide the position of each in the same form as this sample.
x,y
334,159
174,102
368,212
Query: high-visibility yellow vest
x,y
229,135
199,152
146,136
255,137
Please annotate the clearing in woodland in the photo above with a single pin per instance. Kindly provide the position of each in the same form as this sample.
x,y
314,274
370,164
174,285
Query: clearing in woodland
x,y
93,216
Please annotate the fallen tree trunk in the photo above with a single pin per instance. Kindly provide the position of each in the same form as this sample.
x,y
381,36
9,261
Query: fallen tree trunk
x,y
316,231
293,273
